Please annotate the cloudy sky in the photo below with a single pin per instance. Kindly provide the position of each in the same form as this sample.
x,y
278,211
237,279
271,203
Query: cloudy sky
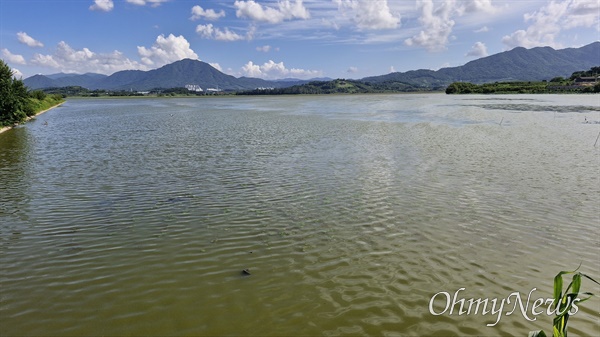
x,y
282,38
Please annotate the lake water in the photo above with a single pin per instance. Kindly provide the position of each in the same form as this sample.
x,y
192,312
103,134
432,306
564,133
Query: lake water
x,y
137,216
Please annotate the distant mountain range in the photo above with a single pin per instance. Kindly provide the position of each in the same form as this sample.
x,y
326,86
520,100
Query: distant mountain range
x,y
174,75
519,64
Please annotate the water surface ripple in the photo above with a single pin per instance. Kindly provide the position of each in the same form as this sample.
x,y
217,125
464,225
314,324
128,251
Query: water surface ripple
x,y
137,216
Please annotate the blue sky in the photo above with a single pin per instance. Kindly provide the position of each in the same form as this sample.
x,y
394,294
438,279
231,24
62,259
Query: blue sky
x,y
274,39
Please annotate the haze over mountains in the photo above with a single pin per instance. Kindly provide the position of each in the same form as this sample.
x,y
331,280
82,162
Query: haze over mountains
x,y
519,64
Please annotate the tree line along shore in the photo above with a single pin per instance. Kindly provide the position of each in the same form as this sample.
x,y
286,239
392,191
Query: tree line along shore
x,y
348,86
17,104
579,82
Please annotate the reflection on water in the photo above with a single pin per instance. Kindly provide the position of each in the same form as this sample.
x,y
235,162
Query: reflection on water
x,y
137,217
15,178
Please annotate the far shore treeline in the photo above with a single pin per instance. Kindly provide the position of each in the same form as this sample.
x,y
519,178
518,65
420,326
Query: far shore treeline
x,y
572,84
579,82
17,103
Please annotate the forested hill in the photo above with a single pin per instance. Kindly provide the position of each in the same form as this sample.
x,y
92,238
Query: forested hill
x,y
338,86
519,64
173,75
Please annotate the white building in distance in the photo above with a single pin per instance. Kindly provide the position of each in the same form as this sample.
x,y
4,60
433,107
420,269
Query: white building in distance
x,y
193,87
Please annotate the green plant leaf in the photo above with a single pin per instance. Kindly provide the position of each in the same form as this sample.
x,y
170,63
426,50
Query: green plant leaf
x,y
558,283
589,278
556,332
539,333
563,302
576,283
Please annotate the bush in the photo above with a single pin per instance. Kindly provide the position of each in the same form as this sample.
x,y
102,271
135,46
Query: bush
x,y
16,104
462,88
15,99
38,94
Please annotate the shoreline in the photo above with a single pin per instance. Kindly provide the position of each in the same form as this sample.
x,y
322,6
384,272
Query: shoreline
x,y
6,128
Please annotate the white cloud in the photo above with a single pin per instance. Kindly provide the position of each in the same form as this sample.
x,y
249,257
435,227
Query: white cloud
x,y
166,50
444,65
17,73
583,13
478,50
549,21
352,70
369,14
437,24
286,11
208,14
28,40
45,61
272,70
210,32
206,31
68,59
542,31
227,35
476,6
12,58
392,69
375,14
437,20
153,3
251,70
264,49
483,29
102,5
216,66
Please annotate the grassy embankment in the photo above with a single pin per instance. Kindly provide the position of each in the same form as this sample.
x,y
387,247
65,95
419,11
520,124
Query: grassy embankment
x,y
35,105
49,102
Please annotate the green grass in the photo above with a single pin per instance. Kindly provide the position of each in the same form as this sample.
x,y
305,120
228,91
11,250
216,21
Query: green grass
x,y
36,105
31,108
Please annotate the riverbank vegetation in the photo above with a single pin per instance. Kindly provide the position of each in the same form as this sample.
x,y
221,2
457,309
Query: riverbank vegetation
x,y
579,82
340,86
17,103
77,91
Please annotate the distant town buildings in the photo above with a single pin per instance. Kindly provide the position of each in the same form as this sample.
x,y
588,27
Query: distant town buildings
x,y
194,87
197,88
586,80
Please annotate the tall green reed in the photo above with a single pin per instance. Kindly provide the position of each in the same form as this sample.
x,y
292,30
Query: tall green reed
x,y
564,302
